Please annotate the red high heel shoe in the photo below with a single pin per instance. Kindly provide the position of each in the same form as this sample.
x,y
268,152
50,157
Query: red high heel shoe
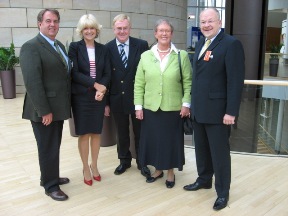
x,y
88,182
96,178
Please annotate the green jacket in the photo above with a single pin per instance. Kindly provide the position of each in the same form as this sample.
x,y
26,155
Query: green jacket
x,y
154,89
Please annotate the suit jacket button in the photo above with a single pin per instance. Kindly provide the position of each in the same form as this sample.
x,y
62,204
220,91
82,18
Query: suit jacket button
x,y
122,81
123,92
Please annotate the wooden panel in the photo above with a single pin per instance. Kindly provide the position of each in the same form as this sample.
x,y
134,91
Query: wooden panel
x,y
273,37
259,183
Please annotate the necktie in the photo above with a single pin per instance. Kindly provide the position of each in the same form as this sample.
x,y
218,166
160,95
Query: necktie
x,y
123,55
60,54
207,43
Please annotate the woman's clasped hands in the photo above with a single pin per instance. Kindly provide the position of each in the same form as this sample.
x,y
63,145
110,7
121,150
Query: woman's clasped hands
x,y
100,91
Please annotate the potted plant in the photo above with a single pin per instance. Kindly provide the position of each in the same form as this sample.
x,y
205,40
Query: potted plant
x,y
8,61
274,59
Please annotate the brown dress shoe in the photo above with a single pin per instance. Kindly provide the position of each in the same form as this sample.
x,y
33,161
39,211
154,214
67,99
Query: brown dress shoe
x,y
62,181
58,195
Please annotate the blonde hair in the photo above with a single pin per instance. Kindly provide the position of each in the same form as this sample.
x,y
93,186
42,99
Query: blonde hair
x,y
90,21
121,17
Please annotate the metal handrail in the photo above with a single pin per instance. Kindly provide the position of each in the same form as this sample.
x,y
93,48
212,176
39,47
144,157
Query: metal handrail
x,y
266,82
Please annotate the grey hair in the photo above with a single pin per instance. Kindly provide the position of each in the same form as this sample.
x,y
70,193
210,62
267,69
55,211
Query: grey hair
x,y
121,17
214,9
161,21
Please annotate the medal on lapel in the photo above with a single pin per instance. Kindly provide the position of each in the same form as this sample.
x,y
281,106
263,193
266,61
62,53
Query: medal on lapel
x,y
207,55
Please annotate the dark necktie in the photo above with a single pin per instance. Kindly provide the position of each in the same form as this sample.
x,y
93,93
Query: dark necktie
x,y
123,55
60,54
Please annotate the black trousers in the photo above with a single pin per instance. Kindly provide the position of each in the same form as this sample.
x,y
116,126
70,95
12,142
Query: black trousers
x,y
122,122
48,140
213,155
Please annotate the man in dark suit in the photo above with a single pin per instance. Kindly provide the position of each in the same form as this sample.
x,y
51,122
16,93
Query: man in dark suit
x,y
121,91
217,82
46,74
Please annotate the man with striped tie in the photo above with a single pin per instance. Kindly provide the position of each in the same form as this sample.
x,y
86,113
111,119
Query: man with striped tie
x,y
124,52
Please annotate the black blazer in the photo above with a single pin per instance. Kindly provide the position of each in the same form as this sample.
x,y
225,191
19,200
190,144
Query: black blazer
x,y
121,90
81,79
217,84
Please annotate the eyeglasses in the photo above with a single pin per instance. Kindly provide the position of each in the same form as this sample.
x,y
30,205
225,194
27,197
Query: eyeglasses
x,y
164,31
209,22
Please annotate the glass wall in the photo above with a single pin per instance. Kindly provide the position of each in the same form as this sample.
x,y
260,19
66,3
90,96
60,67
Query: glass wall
x,y
263,121
194,9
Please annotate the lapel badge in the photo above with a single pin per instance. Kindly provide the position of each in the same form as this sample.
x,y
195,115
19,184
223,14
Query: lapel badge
x,y
208,56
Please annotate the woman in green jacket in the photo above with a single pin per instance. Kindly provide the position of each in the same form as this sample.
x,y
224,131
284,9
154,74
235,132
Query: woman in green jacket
x,y
161,105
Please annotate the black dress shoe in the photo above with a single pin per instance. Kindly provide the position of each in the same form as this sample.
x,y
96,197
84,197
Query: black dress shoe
x,y
220,203
196,186
58,195
170,184
62,181
151,179
121,169
145,171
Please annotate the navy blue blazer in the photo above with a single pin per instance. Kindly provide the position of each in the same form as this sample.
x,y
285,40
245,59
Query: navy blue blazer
x,y
121,90
81,79
217,83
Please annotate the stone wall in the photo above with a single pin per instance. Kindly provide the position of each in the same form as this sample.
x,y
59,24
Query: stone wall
x,y
19,23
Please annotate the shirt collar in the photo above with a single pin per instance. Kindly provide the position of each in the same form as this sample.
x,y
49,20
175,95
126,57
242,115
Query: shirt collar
x,y
126,42
214,36
48,39
173,48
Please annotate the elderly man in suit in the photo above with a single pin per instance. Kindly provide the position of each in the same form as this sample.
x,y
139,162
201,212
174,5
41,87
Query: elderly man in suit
x,y
218,78
125,54
46,75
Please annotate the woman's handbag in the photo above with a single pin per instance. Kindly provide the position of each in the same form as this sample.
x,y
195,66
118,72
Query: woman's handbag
x,y
187,121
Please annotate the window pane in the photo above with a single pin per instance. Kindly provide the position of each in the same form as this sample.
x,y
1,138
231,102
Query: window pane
x,y
192,3
220,3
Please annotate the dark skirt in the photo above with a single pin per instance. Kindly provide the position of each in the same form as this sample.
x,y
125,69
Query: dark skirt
x,y
162,140
88,113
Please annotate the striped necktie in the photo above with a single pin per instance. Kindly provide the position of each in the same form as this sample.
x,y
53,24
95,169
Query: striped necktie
x,y
123,55
206,45
60,54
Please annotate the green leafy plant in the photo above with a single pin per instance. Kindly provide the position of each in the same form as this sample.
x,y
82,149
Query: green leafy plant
x,y
8,59
274,48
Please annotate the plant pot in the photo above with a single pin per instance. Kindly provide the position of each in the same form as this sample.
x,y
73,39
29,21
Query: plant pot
x,y
8,84
273,66
108,135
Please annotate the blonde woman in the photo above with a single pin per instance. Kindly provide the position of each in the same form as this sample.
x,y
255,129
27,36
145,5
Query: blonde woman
x,y
90,78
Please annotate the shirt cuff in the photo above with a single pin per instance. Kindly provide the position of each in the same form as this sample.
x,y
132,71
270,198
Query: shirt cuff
x,y
186,105
138,107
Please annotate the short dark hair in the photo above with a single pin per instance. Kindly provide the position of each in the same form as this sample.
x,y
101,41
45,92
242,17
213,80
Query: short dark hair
x,y
42,12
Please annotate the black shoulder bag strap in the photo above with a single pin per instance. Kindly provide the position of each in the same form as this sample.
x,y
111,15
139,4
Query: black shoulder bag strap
x,y
179,61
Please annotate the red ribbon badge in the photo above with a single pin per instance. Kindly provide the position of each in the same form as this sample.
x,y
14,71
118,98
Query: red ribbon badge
x,y
207,55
